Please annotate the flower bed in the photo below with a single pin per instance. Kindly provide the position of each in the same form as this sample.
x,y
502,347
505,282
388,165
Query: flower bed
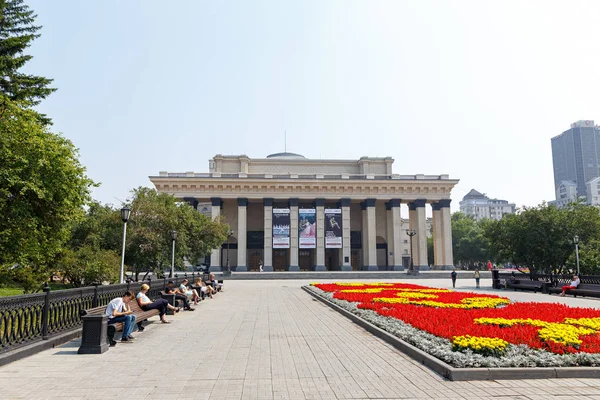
x,y
470,329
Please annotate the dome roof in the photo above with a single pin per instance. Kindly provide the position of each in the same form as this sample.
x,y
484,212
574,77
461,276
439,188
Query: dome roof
x,y
285,155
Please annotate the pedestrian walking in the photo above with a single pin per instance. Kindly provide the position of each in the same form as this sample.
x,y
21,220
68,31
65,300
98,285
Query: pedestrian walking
x,y
453,276
477,277
260,268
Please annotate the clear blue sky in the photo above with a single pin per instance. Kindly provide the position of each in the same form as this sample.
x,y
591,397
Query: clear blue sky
x,y
474,89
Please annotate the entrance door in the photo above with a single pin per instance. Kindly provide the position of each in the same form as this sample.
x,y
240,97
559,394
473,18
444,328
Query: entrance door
x,y
305,260
355,256
280,260
254,258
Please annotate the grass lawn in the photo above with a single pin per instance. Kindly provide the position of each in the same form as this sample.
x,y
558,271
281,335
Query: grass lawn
x,y
10,291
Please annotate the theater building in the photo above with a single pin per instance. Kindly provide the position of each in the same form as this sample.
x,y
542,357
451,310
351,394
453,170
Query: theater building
x,y
293,213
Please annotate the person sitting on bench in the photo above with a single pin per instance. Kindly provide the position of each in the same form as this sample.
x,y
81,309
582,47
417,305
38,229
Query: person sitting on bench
x,y
190,293
573,285
159,304
216,285
204,288
170,289
118,311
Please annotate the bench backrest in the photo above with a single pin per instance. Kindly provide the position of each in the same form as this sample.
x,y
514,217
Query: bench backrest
x,y
589,286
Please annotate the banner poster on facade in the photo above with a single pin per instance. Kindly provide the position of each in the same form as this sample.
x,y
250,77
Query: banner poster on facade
x,y
333,228
205,209
307,228
281,228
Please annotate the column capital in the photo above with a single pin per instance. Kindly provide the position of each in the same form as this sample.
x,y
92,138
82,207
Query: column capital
x,y
268,202
319,202
242,201
191,201
436,206
344,202
418,203
293,202
392,203
216,201
370,202
444,203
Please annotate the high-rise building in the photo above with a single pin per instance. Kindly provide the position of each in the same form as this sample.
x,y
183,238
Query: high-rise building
x,y
479,206
576,155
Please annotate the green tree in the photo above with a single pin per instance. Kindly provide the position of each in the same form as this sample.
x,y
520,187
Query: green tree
x,y
87,265
42,190
541,238
153,217
468,243
17,31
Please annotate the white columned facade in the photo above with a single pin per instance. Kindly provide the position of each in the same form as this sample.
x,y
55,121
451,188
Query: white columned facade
x,y
395,235
268,237
320,209
242,234
412,240
294,235
215,255
346,250
438,256
448,257
372,235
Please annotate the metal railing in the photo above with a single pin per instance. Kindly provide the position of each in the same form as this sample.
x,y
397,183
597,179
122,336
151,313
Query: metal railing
x,y
30,318
500,278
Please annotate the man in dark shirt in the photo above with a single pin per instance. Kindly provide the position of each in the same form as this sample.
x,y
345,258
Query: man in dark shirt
x,y
171,289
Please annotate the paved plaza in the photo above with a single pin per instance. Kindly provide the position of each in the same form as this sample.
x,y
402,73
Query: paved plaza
x,y
264,340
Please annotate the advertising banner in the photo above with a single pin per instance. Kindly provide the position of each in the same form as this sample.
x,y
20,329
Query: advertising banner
x,y
281,228
307,228
333,228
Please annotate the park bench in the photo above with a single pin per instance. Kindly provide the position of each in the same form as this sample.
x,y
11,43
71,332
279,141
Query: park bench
x,y
98,335
523,284
584,289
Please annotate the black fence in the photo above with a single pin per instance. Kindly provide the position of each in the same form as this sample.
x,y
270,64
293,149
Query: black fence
x,y
29,318
500,278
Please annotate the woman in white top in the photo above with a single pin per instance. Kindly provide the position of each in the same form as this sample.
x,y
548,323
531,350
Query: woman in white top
x,y
573,285
189,292
159,304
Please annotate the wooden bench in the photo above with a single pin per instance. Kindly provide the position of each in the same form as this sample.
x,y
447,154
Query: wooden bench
x,y
98,335
523,284
584,289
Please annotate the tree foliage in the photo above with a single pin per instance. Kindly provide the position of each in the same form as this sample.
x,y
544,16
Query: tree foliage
x,y
153,217
468,243
43,189
17,31
541,238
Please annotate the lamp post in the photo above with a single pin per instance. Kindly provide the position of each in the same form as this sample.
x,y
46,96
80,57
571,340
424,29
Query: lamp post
x,y
173,238
411,233
576,241
227,268
125,212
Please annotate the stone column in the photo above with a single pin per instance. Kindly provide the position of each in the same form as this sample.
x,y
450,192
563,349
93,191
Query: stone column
x,y
438,256
412,242
320,219
372,235
294,235
364,237
242,235
421,235
395,235
345,205
448,257
215,255
268,247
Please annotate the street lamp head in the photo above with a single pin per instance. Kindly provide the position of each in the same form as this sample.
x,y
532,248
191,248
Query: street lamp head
x,y
231,232
173,235
125,211
411,232
575,239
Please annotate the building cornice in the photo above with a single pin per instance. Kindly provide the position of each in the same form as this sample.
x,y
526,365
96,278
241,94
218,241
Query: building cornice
x,y
356,189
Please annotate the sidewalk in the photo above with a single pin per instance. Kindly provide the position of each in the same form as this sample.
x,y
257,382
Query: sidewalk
x,y
263,340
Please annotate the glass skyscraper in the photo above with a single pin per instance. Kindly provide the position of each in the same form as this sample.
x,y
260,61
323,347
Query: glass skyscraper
x,y
576,155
